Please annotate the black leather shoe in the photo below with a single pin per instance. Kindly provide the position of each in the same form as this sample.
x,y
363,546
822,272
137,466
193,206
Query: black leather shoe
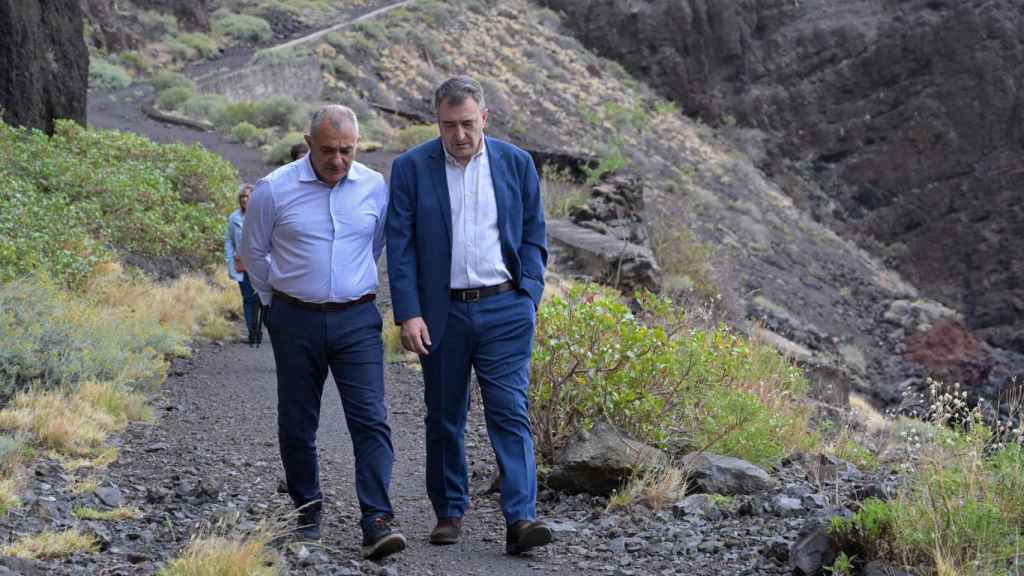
x,y
525,535
309,521
381,539
447,531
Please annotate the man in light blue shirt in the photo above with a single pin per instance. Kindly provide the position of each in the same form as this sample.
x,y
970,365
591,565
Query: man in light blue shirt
x,y
313,233
236,270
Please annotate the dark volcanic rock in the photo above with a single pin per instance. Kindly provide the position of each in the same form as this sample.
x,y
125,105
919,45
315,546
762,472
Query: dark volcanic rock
x,y
726,475
899,120
44,64
598,460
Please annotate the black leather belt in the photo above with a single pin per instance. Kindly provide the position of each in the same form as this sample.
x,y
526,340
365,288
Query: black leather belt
x,y
474,294
325,306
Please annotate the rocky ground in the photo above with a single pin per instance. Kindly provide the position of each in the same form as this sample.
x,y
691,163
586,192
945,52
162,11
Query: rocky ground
x,y
210,463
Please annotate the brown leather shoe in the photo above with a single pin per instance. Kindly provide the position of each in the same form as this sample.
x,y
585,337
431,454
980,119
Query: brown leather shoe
x,y
525,535
447,531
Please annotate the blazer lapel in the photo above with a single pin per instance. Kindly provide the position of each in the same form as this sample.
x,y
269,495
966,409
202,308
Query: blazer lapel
x,y
440,179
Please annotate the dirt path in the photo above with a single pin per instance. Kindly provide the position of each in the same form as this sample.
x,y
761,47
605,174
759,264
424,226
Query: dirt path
x,y
218,427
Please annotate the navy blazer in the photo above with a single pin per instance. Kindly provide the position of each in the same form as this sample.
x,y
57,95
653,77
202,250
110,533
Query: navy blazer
x,y
419,229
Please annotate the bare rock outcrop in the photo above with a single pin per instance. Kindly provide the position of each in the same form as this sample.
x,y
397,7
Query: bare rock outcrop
x,y
44,64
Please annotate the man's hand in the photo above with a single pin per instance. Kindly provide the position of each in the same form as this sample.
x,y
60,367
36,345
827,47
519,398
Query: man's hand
x,y
415,337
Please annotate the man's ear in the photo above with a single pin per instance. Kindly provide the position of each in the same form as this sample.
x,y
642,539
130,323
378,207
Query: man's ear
x,y
484,114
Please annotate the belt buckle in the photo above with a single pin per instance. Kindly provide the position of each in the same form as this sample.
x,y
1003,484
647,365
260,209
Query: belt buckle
x,y
471,296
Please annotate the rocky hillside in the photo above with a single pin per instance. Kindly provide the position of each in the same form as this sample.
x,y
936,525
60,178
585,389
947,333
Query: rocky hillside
x,y
899,123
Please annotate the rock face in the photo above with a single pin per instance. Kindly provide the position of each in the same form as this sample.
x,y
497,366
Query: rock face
x,y
898,120
191,14
607,238
597,461
44,64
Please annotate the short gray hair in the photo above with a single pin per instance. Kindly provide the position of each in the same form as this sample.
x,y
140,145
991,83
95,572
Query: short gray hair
x,y
456,89
241,189
336,114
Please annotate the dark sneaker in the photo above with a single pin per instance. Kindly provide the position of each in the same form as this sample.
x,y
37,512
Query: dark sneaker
x,y
381,539
525,535
447,531
309,521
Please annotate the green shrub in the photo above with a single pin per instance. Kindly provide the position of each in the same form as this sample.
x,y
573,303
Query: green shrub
x,y
174,97
653,375
135,60
157,24
107,75
244,132
201,43
65,198
205,106
281,152
181,51
49,339
165,79
281,113
243,28
412,136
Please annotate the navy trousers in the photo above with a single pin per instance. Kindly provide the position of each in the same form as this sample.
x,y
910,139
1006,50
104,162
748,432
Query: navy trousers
x,y
494,337
249,301
307,343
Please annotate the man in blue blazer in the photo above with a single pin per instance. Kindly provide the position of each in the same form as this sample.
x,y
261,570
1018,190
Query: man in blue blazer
x,y
466,256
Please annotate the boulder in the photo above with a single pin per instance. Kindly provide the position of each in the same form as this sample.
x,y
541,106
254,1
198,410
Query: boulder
x,y
726,475
607,259
599,460
812,550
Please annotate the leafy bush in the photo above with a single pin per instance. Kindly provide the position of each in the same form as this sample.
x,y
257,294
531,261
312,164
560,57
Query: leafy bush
x,y
280,112
244,132
107,75
654,375
180,51
165,79
243,28
201,43
65,198
135,60
174,97
412,136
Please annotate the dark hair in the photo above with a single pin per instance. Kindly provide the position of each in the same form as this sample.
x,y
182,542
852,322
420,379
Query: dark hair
x,y
456,89
299,150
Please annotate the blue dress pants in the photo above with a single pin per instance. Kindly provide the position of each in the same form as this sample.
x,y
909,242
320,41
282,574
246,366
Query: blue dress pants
x,y
494,337
249,302
307,343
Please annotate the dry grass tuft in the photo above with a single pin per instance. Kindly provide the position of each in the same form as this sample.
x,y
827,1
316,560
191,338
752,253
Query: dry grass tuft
x,y
121,513
76,424
224,556
8,495
48,545
655,488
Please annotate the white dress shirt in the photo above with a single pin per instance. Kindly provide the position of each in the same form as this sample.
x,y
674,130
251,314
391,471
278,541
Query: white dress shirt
x,y
476,246
312,241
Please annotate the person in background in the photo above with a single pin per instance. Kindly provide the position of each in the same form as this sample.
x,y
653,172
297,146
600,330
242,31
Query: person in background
x,y
466,258
312,239
299,150
232,243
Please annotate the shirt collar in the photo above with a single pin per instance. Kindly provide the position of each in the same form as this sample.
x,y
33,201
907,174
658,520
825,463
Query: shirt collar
x,y
307,174
451,159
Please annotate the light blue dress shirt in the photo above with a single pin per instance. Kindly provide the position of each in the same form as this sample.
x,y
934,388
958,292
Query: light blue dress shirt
x,y
312,241
233,242
476,245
